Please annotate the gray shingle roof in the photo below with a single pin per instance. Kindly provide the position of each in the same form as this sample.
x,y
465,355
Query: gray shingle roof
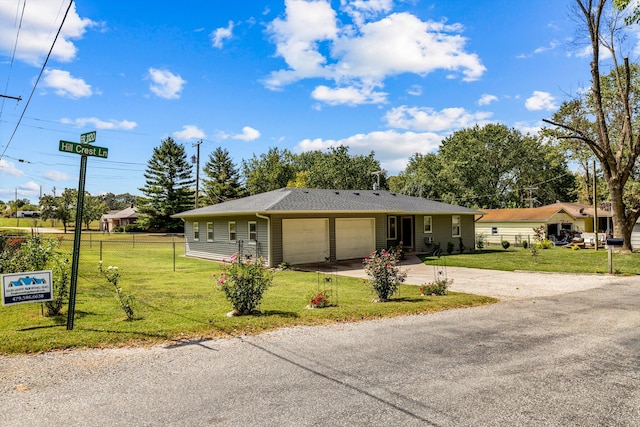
x,y
302,200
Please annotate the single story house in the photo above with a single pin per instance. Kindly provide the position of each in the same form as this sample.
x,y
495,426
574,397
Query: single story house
x,y
113,219
300,226
515,225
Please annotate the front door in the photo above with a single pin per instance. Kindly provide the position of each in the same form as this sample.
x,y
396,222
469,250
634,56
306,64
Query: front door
x,y
406,231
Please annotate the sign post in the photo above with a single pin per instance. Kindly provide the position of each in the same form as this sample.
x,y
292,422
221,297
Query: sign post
x,y
84,149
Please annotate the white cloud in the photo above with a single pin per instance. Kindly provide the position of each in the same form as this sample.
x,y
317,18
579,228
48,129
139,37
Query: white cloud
x,y
248,134
38,29
190,132
541,101
96,123
9,168
56,175
314,44
65,85
219,35
427,119
360,10
415,90
528,128
392,148
487,99
165,84
30,188
348,95
551,46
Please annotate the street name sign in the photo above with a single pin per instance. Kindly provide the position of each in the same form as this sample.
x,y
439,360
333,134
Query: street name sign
x,y
84,149
88,138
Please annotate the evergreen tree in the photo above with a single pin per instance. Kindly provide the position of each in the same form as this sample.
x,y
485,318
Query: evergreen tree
x,y
223,179
168,188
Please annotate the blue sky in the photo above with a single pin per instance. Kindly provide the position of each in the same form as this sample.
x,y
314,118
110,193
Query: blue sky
x,y
395,77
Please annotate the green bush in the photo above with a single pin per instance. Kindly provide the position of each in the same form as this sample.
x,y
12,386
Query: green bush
x,y
132,228
384,273
449,248
544,244
505,244
244,283
437,287
36,254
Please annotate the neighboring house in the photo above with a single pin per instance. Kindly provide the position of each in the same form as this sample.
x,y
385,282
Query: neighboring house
x,y
299,226
113,219
635,236
516,225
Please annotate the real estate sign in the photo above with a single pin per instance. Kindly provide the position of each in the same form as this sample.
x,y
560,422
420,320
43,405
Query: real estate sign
x,y
31,286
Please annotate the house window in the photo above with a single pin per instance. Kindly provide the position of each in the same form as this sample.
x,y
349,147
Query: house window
x,y
196,231
494,231
392,226
427,225
455,226
253,231
210,231
232,231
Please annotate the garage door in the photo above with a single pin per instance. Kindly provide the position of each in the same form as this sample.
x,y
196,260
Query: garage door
x,y
305,240
355,237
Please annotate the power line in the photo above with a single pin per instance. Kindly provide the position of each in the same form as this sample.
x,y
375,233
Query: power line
x,y
35,85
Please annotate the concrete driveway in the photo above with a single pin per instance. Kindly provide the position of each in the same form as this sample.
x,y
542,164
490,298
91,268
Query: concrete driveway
x,y
504,285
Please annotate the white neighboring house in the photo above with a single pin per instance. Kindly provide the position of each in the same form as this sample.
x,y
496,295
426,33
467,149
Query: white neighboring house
x,y
113,219
635,236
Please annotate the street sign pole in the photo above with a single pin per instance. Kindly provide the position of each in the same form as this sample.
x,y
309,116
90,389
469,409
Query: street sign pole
x,y
76,244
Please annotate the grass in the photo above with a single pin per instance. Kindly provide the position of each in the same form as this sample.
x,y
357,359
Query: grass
x,y
549,260
185,304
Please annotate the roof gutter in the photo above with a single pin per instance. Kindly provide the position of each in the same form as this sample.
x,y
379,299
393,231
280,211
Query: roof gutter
x,y
268,237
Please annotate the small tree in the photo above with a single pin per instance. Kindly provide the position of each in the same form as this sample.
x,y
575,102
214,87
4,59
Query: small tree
x,y
384,273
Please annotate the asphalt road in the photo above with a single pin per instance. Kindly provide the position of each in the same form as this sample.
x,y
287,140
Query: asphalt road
x,y
563,360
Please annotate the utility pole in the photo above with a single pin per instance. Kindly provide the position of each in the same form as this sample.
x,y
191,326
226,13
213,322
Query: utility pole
x,y
17,98
530,198
197,144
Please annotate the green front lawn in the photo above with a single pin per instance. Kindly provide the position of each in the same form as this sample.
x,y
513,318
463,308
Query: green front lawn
x,y
185,304
551,260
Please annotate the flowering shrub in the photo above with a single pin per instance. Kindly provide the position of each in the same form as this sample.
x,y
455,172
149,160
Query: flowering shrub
x,y
244,283
321,299
112,274
384,273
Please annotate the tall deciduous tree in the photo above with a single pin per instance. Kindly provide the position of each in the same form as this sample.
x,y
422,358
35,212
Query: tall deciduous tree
x,y
610,125
61,207
489,167
93,209
222,180
337,169
268,172
168,189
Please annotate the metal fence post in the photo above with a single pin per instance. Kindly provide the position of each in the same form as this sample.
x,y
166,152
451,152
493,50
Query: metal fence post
x,y
100,250
174,255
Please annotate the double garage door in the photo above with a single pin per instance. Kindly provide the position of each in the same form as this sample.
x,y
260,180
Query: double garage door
x,y
307,240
